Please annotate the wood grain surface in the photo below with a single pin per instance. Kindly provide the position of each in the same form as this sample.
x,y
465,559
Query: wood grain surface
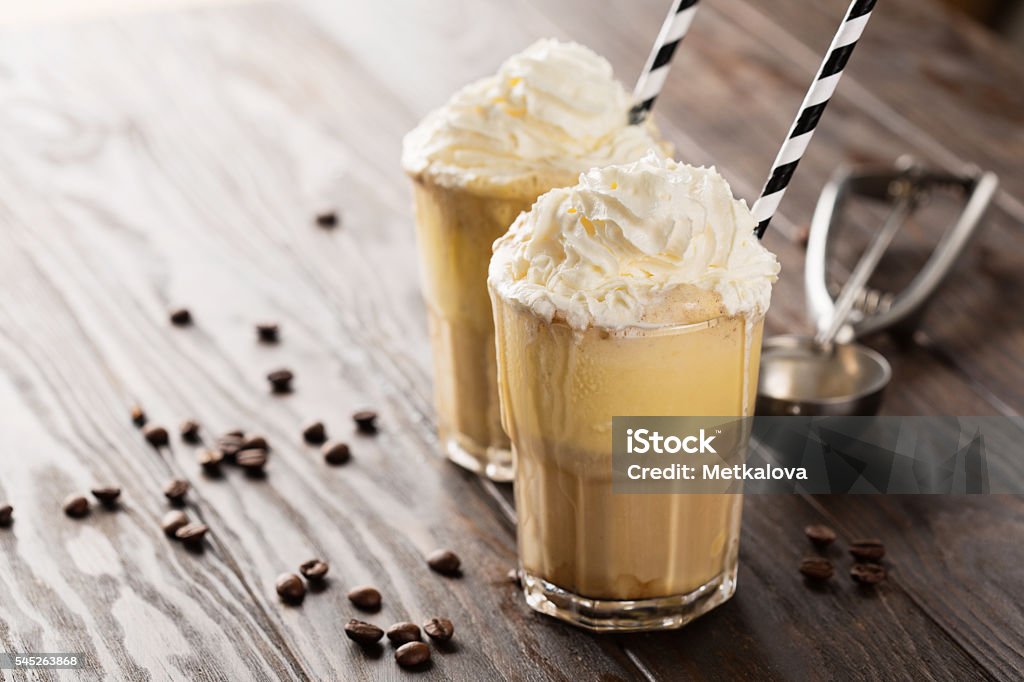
x,y
178,159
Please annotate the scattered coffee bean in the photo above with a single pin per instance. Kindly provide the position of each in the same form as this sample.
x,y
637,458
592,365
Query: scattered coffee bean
x,y
363,633
254,442
175,490
6,515
444,561
252,461
210,460
336,453
440,629
366,421
412,654
76,506
190,431
820,535
327,219
107,495
314,569
290,588
267,332
192,534
868,574
181,317
156,435
314,433
404,632
281,380
365,597
174,521
229,444
816,568
867,550
138,416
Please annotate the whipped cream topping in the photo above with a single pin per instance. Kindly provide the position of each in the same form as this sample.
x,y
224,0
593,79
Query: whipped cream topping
x,y
602,253
554,109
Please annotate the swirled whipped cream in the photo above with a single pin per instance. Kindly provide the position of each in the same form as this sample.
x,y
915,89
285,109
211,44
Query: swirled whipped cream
x,y
553,110
629,238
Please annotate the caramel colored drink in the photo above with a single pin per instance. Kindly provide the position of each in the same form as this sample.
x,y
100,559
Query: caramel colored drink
x,y
609,316
455,230
549,114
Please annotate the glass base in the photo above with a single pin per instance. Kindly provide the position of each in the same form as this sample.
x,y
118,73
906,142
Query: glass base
x,y
494,463
608,615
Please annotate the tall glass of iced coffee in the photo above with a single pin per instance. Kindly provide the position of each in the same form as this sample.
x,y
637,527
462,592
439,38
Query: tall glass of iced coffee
x,y
639,291
550,113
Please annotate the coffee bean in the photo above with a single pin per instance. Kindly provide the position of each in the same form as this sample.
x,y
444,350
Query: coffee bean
x,y
412,654
181,317
267,332
229,444
366,421
107,496
6,515
76,506
138,416
156,435
252,461
254,442
210,460
314,433
365,597
363,633
444,561
281,380
817,568
401,633
336,453
820,535
189,431
174,521
290,588
868,574
314,569
192,534
440,629
867,550
327,219
175,490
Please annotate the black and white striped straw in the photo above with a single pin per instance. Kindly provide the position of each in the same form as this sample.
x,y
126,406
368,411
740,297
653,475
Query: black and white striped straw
x,y
810,112
652,79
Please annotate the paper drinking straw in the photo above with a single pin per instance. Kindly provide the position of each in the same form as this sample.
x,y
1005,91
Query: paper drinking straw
x,y
813,107
652,79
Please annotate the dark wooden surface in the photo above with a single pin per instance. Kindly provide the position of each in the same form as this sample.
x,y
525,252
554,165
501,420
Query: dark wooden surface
x,y
177,158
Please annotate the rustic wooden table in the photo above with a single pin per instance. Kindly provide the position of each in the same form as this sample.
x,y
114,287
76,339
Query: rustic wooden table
x,y
177,158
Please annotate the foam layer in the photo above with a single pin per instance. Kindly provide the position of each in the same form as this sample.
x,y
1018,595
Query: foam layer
x,y
611,251
552,111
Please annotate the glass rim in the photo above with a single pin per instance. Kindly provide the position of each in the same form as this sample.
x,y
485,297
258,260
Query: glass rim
x,y
633,330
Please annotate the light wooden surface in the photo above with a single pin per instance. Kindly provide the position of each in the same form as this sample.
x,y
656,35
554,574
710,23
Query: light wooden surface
x,y
177,159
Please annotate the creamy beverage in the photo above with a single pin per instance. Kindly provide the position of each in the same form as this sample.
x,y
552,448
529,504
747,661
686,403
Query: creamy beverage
x,y
550,113
639,291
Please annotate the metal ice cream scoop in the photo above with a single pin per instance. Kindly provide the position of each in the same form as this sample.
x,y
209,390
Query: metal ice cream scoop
x,y
831,374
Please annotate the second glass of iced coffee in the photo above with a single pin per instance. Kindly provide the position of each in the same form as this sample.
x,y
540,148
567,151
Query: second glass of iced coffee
x,y
640,291
550,113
